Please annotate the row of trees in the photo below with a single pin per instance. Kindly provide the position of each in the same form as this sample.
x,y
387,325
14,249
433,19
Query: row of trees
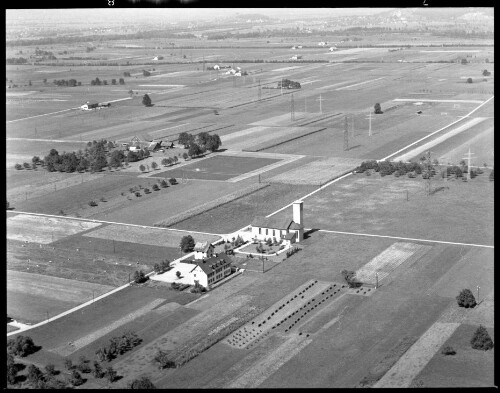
x,y
288,84
64,82
98,82
117,346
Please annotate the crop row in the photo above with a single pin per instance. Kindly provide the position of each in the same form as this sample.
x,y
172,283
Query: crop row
x,y
209,205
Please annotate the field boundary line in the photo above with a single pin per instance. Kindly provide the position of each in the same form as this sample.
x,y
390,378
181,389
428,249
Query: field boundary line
x,y
110,222
435,132
407,238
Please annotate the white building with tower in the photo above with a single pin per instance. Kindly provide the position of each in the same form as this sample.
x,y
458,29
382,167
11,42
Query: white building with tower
x,y
290,230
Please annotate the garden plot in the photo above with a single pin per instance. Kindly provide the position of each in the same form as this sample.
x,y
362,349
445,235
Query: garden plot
x,y
149,236
281,311
317,172
261,370
68,349
44,230
387,261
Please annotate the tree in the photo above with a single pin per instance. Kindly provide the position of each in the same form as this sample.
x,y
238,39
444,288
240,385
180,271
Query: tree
x,y
469,80
481,339
187,243
164,183
378,108
35,160
486,73
175,159
68,364
155,187
21,346
139,277
164,162
185,155
448,350
194,150
97,370
34,375
350,278
466,299
18,167
121,81
113,81
172,181
178,274
142,168
146,73
26,165
464,61
165,265
184,139
116,158
76,379
142,383
111,374
50,369
11,369
154,165
202,138
213,143
146,101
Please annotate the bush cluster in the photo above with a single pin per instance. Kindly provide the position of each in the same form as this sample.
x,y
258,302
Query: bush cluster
x,y
21,346
117,346
389,168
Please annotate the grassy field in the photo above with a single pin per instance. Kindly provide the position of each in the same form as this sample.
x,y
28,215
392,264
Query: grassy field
x,y
218,168
457,211
34,297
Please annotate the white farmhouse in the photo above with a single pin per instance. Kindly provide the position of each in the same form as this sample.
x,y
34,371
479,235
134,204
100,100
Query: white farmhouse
x,y
203,250
89,105
209,271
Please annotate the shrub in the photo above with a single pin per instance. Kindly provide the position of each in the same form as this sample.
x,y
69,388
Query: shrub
x,y
154,165
18,166
142,168
173,181
164,161
146,191
178,274
164,184
481,339
185,155
350,278
469,80
466,299
26,165
102,199
92,203
68,364
155,187
140,277
448,351
76,379
142,383
137,194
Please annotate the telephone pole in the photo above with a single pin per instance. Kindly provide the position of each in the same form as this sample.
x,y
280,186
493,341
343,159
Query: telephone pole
x,y
352,126
320,99
292,108
370,127
468,158
281,85
346,135
259,92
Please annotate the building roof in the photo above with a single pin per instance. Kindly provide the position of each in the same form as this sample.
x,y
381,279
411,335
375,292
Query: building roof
x,y
209,265
202,246
275,222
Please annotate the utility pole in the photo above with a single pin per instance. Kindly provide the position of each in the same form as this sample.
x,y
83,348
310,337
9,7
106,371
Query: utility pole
x,y
468,158
370,127
259,91
320,99
305,104
352,126
292,108
346,135
281,85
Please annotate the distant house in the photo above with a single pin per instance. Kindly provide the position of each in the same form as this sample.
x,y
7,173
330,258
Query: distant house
x,y
89,105
209,271
216,67
333,48
296,57
323,43
299,46
156,58
203,250
290,230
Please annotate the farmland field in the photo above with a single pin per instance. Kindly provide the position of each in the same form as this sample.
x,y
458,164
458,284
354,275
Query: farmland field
x,y
414,244
34,297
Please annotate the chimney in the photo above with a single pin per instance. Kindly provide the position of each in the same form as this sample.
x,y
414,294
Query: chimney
x,y
298,214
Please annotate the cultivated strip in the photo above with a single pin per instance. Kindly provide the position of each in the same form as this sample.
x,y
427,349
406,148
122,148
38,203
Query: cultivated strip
x,y
417,357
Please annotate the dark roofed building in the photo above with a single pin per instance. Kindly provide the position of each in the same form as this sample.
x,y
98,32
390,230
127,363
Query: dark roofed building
x,y
203,250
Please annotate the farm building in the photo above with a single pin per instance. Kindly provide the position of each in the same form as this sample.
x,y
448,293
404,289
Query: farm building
x,y
296,57
290,230
209,271
154,145
89,105
333,48
323,43
203,250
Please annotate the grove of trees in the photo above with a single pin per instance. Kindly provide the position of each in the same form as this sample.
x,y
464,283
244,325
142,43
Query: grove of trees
x,y
203,141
